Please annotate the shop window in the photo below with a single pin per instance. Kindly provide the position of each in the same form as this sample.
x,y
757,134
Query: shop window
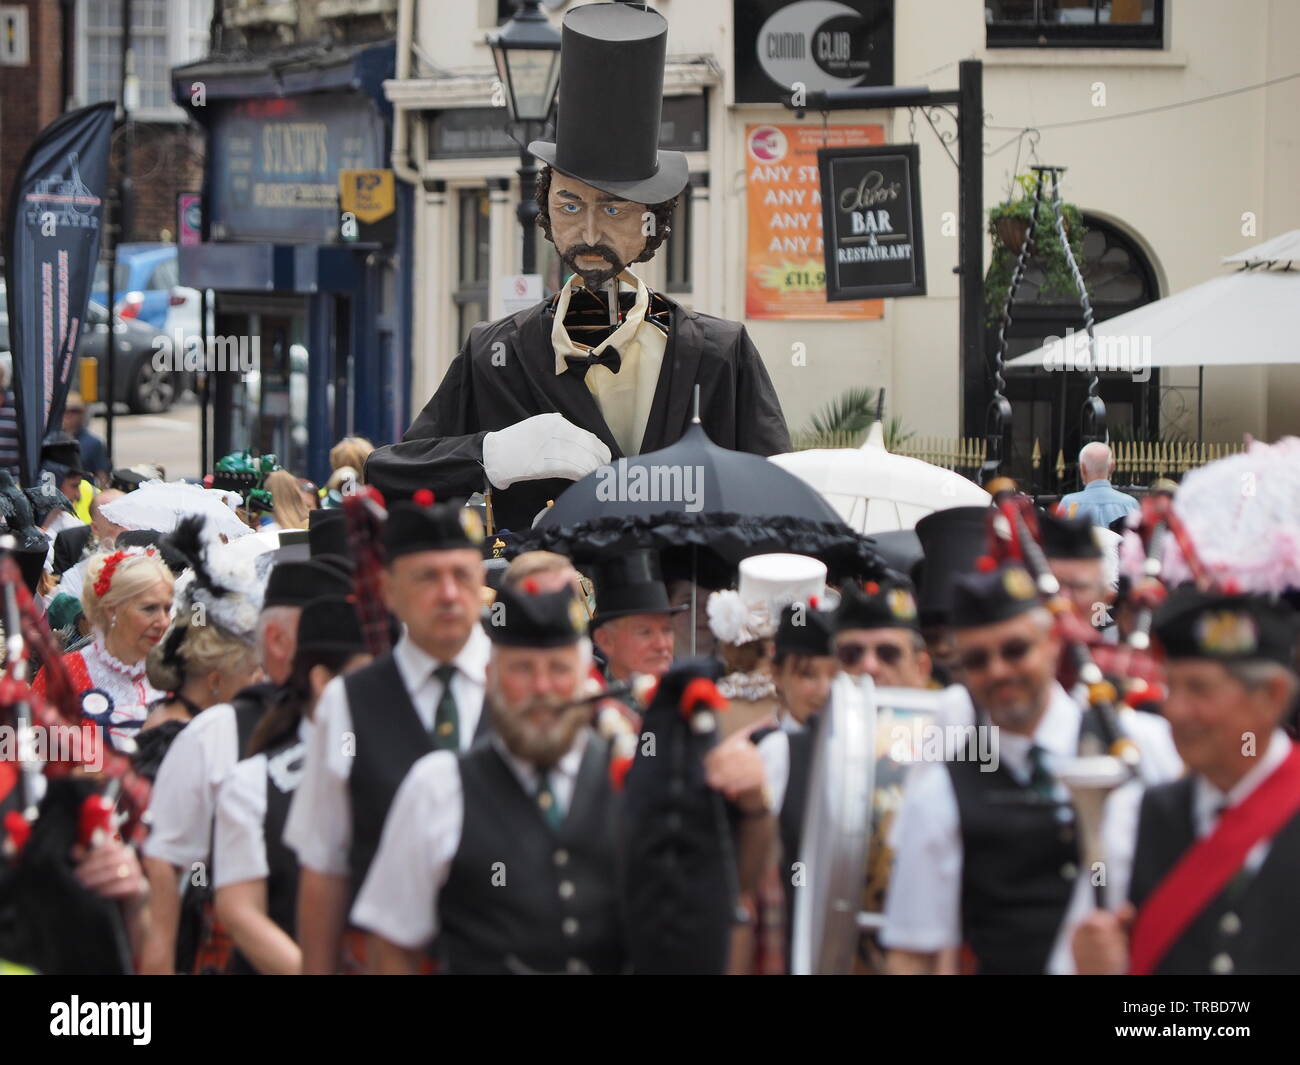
x,y
1074,23
471,295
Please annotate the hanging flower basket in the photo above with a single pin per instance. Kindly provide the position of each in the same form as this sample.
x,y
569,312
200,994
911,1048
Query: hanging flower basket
x,y
1008,225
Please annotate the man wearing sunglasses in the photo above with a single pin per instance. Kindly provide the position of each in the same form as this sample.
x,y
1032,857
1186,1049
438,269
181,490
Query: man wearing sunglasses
x,y
877,633
987,851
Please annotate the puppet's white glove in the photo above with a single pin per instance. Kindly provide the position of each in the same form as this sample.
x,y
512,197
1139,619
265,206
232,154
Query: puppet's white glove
x,y
545,445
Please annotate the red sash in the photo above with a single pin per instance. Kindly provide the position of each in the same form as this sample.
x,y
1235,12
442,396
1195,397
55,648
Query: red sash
x,y
1209,864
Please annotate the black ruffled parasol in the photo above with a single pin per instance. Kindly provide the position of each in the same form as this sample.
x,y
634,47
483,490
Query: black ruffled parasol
x,y
704,508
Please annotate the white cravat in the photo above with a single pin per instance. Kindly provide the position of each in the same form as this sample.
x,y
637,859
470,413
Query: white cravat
x,y
624,398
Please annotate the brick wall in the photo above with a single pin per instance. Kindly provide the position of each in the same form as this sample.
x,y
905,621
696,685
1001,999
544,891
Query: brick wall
x,y
29,95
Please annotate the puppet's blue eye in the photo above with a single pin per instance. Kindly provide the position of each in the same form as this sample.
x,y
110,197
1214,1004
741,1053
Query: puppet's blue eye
x,y
611,211
569,208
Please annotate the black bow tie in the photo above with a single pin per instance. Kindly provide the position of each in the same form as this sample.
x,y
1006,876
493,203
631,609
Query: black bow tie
x,y
609,358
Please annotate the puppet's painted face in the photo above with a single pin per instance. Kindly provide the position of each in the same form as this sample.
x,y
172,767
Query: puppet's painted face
x,y
596,234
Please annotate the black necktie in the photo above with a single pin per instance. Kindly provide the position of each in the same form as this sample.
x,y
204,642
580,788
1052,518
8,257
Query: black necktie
x,y
446,722
1040,777
609,358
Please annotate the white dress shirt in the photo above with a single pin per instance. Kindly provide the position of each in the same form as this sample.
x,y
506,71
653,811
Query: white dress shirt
x,y
774,749
624,398
923,906
1120,820
184,795
239,845
319,828
422,835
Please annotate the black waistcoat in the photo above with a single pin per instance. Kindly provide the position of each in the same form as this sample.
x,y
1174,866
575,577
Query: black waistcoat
x,y
1019,865
389,739
1253,925
554,905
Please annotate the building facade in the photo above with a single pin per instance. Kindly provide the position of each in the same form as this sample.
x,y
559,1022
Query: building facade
x,y
292,118
1171,165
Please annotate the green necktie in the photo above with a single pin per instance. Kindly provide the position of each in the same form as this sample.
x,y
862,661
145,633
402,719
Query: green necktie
x,y
546,801
446,722
1040,777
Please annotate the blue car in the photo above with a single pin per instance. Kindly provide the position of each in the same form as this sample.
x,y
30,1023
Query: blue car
x,y
146,275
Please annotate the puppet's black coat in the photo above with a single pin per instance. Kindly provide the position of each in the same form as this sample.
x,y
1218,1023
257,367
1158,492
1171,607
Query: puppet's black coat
x,y
506,373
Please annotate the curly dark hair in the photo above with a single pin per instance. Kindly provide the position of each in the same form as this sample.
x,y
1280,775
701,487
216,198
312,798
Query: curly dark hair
x,y
663,214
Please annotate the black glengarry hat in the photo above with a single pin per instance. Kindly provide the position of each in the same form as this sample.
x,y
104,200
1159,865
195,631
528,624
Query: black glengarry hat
x,y
1225,628
630,583
805,630
523,618
423,525
327,533
988,598
610,102
878,605
298,583
330,623
1067,538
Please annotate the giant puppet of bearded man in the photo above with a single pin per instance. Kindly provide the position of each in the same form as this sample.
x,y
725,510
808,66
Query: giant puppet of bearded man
x,y
543,397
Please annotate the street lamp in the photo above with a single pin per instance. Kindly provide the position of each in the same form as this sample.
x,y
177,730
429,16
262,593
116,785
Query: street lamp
x,y
526,51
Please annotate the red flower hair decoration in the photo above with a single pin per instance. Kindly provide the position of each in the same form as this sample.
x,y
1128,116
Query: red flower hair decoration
x,y
105,579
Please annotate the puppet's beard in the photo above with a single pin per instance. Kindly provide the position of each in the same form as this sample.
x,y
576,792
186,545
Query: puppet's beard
x,y
594,277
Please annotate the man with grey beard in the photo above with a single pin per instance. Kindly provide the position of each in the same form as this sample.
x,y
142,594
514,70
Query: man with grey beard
x,y
507,853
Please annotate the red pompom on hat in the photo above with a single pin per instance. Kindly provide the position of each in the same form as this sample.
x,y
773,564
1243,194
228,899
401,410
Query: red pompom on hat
x,y
423,497
871,588
701,692
530,586
986,564
813,601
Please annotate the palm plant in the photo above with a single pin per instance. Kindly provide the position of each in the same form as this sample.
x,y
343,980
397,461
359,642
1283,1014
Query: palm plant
x,y
846,420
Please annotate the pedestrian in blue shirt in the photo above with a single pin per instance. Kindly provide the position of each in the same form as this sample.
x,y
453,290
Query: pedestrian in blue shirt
x,y
1099,502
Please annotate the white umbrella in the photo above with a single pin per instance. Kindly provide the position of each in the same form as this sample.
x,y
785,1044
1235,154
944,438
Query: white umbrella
x,y
874,490
1247,318
160,505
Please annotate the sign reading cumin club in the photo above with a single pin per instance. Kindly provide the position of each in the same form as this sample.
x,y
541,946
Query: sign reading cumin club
x,y
871,222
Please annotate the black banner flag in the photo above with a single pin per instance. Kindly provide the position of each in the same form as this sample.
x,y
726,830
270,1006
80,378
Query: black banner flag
x,y
56,213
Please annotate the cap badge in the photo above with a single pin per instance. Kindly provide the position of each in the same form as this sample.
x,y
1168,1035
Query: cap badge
x,y
1226,632
1018,584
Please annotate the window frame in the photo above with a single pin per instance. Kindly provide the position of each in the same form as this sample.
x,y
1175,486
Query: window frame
x,y
1038,34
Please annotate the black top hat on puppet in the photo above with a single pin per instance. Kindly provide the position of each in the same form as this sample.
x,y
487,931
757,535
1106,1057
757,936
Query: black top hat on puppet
x,y
298,583
1224,627
1067,538
992,596
805,630
330,623
520,617
425,525
952,540
609,105
878,605
292,545
630,583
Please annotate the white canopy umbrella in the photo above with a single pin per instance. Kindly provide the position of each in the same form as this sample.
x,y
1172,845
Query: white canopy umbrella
x,y
874,490
1247,318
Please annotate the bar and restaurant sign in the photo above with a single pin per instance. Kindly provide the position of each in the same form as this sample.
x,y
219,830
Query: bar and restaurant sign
x,y
785,268
871,219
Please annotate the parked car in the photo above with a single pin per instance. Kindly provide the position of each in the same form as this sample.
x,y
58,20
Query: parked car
x,y
147,283
136,382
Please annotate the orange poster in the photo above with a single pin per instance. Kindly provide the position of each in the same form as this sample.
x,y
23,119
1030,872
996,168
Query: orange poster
x,y
785,273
